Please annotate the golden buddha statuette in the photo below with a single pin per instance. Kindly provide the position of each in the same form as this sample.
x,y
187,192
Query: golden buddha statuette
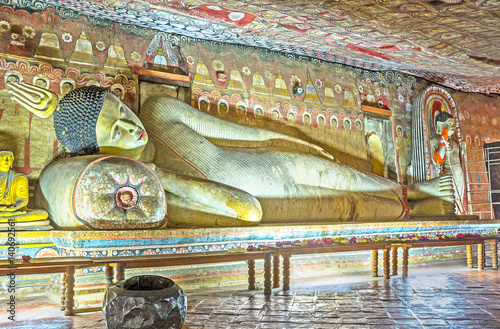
x,y
14,193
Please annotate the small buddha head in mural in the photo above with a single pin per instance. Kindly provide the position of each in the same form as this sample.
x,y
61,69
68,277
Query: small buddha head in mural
x,y
223,108
347,124
445,120
241,110
258,112
307,119
12,77
334,122
41,81
275,115
358,124
66,86
321,121
92,119
399,131
290,117
118,90
203,104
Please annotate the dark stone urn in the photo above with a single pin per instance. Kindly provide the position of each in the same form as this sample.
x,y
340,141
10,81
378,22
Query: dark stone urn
x,y
144,302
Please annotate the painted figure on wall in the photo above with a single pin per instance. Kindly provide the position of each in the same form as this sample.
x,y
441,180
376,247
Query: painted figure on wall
x,y
221,173
14,193
447,154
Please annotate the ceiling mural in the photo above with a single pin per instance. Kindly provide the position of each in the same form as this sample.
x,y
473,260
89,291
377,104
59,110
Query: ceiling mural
x,y
451,42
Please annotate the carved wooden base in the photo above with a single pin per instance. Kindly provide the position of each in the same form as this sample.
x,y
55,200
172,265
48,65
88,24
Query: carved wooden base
x,y
70,293
394,260
251,275
286,272
405,262
386,263
276,271
120,271
109,274
63,292
494,253
480,258
374,263
469,256
267,274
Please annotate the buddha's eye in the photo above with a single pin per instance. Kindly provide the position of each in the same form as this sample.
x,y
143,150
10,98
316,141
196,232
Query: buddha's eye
x,y
122,112
116,133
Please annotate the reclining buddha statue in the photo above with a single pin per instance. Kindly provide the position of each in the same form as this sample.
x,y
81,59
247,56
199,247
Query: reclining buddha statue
x,y
218,173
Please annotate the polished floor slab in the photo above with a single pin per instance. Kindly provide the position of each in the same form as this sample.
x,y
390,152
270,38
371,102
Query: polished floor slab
x,y
445,296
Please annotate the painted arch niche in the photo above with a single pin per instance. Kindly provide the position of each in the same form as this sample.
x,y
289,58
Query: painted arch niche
x,y
427,106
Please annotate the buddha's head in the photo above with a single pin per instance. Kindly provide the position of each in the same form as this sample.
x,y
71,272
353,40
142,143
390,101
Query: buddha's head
x,y
6,160
445,120
93,119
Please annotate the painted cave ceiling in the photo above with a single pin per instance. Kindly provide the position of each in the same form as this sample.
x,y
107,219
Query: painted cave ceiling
x,y
451,42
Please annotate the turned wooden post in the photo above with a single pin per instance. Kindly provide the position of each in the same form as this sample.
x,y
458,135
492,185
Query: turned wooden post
x,y
286,272
480,259
70,292
267,273
405,262
469,256
276,271
251,275
394,260
386,264
109,273
374,263
120,271
63,292
494,253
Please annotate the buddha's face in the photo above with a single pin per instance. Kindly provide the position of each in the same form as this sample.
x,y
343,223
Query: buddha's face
x,y
119,131
6,160
448,124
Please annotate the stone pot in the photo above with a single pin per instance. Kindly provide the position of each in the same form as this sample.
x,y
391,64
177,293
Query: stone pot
x,y
145,302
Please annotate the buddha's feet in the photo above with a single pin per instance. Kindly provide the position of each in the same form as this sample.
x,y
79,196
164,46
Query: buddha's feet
x,y
440,188
433,207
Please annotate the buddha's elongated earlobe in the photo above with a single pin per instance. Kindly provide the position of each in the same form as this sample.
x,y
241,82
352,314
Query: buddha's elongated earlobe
x,y
40,101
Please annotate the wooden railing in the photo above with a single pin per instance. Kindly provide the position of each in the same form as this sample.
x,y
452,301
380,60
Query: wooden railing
x,y
287,251
271,257
67,265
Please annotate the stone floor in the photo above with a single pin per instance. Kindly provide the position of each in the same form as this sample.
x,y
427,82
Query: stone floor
x,y
436,297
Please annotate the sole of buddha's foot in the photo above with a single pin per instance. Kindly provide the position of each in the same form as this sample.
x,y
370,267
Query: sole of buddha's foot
x,y
440,187
438,206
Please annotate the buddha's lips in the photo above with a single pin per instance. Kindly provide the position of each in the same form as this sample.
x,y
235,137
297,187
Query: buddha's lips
x,y
142,135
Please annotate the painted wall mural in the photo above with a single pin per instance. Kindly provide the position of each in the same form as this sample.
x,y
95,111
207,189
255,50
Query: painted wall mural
x,y
302,97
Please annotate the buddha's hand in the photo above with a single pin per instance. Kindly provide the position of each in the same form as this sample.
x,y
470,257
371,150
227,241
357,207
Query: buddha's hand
x,y
324,153
40,101
8,208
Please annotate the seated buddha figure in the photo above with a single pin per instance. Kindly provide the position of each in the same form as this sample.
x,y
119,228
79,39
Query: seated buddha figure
x,y
14,193
220,173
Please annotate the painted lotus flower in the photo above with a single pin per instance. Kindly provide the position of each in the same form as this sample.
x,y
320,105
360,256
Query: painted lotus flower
x,y
318,83
245,70
338,89
4,26
67,37
136,56
100,45
401,98
190,60
28,32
